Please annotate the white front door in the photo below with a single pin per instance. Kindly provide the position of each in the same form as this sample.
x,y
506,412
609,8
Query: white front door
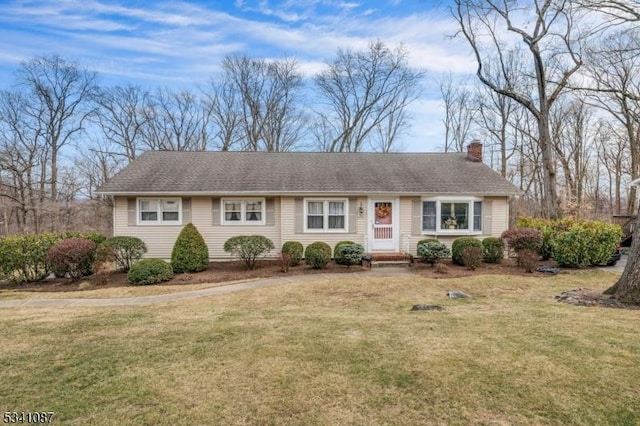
x,y
384,225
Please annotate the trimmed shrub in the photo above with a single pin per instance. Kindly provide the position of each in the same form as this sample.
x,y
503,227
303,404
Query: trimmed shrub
x,y
97,237
431,251
426,240
73,256
125,250
528,259
574,243
285,262
190,253
336,252
459,244
519,239
317,255
585,243
248,248
493,250
23,258
546,227
472,257
295,250
149,271
350,254
441,268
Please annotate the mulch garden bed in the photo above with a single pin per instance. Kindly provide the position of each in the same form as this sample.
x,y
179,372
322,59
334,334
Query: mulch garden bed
x,y
235,270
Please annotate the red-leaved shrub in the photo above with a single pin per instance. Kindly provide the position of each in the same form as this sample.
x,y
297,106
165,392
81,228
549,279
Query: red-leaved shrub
x,y
523,239
73,256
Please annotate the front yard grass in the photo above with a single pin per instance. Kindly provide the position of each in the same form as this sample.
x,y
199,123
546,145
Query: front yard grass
x,y
346,351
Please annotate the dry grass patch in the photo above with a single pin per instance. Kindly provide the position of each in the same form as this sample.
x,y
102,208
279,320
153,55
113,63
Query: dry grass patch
x,y
347,351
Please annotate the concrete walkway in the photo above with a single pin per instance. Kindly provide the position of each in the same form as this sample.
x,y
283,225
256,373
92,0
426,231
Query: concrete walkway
x,y
171,297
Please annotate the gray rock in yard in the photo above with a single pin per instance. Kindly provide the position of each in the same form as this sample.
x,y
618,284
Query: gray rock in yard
x,y
423,307
457,295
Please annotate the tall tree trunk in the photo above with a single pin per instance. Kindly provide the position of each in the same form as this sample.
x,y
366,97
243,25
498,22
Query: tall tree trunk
x,y
627,289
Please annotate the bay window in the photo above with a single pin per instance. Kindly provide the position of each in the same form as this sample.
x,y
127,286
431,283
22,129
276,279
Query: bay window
x,y
456,216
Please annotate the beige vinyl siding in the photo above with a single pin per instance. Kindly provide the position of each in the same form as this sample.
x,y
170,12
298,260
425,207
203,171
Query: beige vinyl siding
x,y
499,215
290,233
215,236
160,238
407,241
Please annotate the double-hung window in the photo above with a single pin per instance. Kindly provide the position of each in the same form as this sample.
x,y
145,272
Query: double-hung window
x,y
326,215
159,211
456,216
237,211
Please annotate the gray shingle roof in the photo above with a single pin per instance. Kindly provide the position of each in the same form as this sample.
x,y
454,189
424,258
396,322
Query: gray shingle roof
x,y
271,173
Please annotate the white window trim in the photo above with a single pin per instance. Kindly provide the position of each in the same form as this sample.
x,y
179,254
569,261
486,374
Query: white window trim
x,y
325,213
159,221
453,199
243,213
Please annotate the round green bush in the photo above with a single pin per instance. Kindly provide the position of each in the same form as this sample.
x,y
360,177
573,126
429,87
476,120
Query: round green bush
x,y
295,250
336,252
149,271
430,251
248,247
317,255
459,244
190,253
124,250
73,256
493,250
349,254
426,240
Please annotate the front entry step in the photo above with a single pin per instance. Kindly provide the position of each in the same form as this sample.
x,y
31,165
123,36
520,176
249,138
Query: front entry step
x,y
390,259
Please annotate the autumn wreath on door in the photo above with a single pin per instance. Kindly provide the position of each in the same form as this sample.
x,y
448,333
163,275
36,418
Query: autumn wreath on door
x,y
383,213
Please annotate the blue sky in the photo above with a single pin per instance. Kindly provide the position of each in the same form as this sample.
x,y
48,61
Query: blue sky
x,y
178,44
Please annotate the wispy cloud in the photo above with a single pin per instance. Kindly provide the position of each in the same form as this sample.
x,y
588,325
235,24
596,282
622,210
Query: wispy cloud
x,y
181,43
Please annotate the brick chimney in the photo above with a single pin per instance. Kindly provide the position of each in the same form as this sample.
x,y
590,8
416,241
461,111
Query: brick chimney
x,y
474,151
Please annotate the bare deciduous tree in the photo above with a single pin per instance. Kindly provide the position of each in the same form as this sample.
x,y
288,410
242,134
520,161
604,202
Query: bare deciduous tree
x,y
59,103
546,31
460,112
176,121
365,95
261,99
614,68
121,117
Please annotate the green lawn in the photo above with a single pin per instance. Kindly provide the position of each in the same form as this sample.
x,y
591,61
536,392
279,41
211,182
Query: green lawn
x,y
347,351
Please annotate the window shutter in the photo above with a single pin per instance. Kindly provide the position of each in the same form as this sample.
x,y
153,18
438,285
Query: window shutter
x,y
131,212
186,210
270,211
416,217
215,211
477,215
298,226
353,215
487,207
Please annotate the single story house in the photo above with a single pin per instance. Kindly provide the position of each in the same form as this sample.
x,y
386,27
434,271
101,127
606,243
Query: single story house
x,y
386,202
